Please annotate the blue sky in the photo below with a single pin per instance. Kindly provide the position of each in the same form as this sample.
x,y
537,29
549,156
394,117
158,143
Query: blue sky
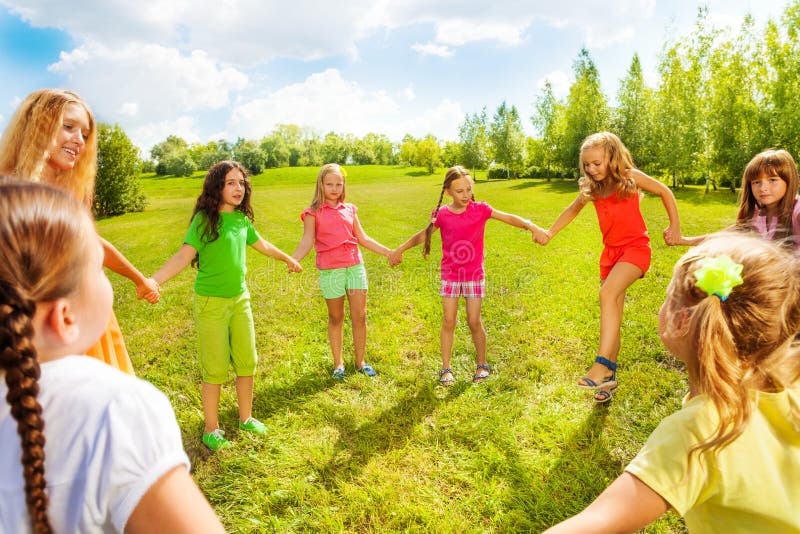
x,y
210,69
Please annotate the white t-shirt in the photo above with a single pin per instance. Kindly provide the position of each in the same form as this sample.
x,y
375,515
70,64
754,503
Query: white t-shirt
x,y
109,437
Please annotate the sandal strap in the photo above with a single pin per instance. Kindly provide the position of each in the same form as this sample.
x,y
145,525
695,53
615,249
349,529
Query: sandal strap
x,y
484,366
445,371
608,363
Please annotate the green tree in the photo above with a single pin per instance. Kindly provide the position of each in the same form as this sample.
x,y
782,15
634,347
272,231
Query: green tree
x,y
547,120
117,184
783,109
633,118
473,139
336,149
507,139
169,148
275,150
408,150
428,153
249,154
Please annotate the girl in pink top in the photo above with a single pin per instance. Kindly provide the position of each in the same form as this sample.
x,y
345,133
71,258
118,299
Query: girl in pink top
x,y
612,184
769,202
462,223
331,226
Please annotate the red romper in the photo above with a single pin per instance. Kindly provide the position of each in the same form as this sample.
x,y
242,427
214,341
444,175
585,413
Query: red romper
x,y
624,233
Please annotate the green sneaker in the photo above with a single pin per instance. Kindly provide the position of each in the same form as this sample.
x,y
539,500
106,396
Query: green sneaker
x,y
216,440
253,425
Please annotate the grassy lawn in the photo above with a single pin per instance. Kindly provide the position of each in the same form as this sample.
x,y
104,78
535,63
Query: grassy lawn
x,y
398,453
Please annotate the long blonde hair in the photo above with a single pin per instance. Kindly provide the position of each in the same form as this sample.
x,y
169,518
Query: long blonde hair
x,y
620,164
319,192
747,341
45,237
28,137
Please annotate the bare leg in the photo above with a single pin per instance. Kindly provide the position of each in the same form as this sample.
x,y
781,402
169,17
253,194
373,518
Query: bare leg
x,y
358,315
209,395
476,328
244,394
612,300
449,316
335,321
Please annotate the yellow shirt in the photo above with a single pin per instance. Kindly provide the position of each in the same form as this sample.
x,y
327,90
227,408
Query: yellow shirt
x,y
752,485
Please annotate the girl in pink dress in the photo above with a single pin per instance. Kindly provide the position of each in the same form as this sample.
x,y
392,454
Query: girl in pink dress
x,y
462,224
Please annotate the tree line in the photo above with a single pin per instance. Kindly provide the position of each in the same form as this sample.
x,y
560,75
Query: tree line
x,y
721,96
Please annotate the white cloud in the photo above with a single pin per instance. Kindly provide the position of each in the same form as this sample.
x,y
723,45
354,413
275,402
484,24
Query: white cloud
x,y
147,135
431,49
143,81
559,81
327,102
460,31
409,93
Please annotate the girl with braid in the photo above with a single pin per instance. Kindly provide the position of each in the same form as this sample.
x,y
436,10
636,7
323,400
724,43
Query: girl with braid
x,y
462,223
52,138
86,448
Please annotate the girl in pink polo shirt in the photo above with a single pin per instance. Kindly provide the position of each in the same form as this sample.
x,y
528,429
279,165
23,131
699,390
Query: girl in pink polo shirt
x,y
462,223
331,226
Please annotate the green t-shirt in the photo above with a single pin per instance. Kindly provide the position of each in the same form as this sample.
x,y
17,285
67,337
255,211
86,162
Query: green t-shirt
x,y
222,261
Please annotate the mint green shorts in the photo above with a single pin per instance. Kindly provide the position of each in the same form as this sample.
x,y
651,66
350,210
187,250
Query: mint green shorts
x,y
335,282
225,337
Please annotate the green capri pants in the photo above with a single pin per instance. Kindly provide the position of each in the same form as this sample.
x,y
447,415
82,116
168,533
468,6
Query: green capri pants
x,y
225,336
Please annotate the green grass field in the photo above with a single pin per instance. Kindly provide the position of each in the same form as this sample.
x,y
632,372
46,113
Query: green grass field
x,y
398,453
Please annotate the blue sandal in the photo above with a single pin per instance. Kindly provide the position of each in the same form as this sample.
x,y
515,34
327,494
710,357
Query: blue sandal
x,y
603,395
480,375
367,369
446,381
338,373
608,382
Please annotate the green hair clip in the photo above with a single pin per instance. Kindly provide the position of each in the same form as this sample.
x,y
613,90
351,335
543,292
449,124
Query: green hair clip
x,y
718,276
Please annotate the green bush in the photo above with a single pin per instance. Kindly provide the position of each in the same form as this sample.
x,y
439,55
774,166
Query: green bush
x,y
117,188
179,164
499,172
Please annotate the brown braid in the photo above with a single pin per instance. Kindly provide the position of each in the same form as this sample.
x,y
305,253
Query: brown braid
x,y
45,236
18,361
452,174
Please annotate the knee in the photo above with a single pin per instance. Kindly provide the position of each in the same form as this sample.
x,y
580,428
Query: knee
x,y
448,325
607,296
358,317
335,319
475,325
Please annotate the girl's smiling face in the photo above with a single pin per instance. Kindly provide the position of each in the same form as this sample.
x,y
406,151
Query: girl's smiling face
x,y
70,139
595,163
332,187
460,190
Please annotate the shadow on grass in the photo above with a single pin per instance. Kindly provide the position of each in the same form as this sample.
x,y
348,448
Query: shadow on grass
x,y
557,185
358,444
697,196
418,173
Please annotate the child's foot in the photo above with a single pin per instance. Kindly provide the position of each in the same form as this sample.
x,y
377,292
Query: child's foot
x,y
367,369
338,373
215,440
598,376
446,377
253,425
482,372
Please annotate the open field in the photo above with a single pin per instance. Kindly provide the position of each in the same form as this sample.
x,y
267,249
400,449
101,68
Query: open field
x,y
397,452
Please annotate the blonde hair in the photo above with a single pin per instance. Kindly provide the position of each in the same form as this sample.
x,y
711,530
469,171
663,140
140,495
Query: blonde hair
x,y
777,163
29,135
319,193
620,163
45,237
452,174
747,341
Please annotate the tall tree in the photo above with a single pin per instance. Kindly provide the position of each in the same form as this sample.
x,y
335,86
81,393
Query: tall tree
x,y
633,117
507,139
474,141
117,186
546,120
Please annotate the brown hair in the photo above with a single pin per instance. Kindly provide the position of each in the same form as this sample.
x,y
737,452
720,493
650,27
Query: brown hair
x,y
452,174
30,133
45,237
319,192
747,341
777,163
620,163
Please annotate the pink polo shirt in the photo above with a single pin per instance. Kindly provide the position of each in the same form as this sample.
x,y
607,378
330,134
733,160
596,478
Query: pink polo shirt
x,y
759,223
462,241
334,240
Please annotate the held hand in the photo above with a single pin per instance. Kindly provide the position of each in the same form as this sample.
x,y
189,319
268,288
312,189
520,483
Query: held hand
x,y
395,258
148,290
672,236
294,265
540,236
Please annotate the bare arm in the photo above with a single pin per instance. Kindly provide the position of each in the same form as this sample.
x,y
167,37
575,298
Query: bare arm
x,y
566,217
146,288
174,503
396,256
178,262
366,241
268,249
307,241
537,233
627,505
672,234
